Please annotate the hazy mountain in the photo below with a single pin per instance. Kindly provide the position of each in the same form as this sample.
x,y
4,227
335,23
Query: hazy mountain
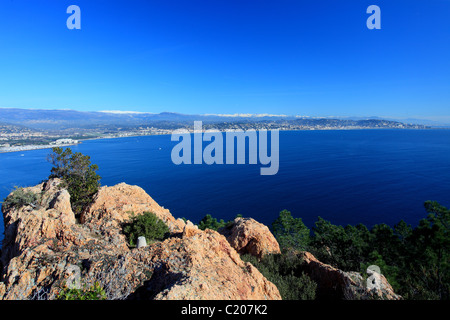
x,y
63,119
431,123
425,122
60,119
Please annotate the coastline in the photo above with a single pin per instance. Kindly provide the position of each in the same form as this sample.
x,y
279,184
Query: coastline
x,y
49,146
34,147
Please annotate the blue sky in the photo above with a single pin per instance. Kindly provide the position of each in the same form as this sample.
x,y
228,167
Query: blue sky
x,y
313,58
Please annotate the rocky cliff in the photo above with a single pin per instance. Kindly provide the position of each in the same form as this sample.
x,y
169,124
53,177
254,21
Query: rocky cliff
x,y
46,249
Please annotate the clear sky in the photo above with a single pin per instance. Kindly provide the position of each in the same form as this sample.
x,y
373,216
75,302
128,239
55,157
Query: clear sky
x,y
296,57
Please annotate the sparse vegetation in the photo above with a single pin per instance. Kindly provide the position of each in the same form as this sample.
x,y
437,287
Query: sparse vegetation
x,y
94,292
147,225
19,197
284,271
209,222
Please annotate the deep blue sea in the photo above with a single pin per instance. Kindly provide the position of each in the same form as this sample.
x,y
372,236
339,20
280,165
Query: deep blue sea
x,y
345,176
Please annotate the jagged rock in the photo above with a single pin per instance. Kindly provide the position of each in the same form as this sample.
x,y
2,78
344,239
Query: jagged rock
x,y
45,245
204,266
119,202
190,230
335,283
379,286
27,226
61,203
249,236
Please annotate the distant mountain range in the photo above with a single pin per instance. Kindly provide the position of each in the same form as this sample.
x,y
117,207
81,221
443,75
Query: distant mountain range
x,y
63,119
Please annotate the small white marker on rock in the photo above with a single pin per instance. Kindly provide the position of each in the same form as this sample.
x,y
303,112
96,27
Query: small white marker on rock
x,y
141,242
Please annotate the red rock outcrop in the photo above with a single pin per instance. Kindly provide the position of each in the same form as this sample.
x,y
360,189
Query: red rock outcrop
x,y
335,283
248,236
46,249
50,218
119,202
204,266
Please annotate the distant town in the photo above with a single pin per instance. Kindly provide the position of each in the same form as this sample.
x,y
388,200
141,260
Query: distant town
x,y
22,129
13,141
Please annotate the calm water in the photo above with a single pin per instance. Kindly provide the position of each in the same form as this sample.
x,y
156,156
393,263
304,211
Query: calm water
x,y
347,177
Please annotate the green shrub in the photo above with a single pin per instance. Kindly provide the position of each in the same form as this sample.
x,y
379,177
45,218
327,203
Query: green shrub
x,y
147,225
208,222
78,175
290,232
342,247
284,271
414,260
94,292
20,197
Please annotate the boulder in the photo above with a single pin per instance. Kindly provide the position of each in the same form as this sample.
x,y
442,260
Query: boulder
x,y
118,203
248,236
333,283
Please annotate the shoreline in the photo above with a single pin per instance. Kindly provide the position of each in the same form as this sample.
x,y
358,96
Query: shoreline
x,y
34,147
49,146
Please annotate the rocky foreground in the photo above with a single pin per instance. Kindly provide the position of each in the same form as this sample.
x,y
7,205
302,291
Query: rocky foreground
x,y
45,249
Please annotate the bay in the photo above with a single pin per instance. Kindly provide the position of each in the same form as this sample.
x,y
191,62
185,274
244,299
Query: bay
x,y
345,176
